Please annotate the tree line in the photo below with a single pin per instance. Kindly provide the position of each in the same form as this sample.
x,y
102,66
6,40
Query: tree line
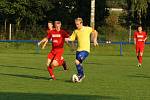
x,y
34,13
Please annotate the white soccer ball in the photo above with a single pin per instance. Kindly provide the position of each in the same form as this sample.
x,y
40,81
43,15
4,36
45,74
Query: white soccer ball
x,y
75,78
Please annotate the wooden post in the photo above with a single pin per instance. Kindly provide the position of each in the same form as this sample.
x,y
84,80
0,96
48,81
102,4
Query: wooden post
x,y
9,31
92,22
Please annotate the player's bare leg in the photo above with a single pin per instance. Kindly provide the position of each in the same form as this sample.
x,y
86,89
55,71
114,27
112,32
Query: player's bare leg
x,y
61,62
54,63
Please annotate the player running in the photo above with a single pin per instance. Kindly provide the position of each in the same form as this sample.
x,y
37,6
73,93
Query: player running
x,y
45,40
82,33
139,40
55,58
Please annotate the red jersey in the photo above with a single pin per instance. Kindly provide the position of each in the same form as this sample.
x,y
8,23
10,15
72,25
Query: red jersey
x,y
57,37
49,31
140,37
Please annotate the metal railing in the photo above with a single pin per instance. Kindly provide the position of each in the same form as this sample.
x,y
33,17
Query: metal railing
x,y
101,42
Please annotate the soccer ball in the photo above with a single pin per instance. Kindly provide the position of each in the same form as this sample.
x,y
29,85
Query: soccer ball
x,y
75,78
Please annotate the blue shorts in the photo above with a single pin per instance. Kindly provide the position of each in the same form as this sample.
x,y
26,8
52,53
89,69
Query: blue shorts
x,y
81,55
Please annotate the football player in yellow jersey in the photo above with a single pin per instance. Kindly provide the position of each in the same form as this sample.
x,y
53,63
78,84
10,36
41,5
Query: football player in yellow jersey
x,y
82,34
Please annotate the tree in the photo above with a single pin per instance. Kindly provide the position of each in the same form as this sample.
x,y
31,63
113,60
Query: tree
x,y
19,10
6,11
115,3
37,12
139,9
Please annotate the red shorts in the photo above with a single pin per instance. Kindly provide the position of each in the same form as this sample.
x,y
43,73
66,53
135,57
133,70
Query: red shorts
x,y
140,48
56,54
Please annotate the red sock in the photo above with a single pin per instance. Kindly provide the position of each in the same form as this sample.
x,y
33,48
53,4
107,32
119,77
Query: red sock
x,y
50,70
140,59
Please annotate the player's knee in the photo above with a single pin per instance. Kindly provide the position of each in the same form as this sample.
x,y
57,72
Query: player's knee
x,y
77,62
54,63
141,54
48,62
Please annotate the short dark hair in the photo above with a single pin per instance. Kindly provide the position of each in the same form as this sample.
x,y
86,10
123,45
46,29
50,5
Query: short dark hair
x,y
50,21
57,21
139,26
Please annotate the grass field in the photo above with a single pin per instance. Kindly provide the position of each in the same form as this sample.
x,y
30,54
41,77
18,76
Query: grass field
x,y
23,75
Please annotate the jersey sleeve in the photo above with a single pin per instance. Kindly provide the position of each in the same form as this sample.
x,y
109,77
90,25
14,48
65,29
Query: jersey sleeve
x,y
65,34
48,34
90,30
135,35
73,36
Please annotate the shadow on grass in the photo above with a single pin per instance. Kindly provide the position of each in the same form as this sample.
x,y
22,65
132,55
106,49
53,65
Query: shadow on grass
x,y
69,81
95,63
139,76
69,54
106,55
32,96
25,76
107,63
22,67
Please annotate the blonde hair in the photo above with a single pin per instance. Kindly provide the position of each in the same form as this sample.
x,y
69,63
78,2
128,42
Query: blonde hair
x,y
79,19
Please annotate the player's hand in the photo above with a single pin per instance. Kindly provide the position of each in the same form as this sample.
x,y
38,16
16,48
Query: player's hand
x,y
39,43
144,40
67,40
95,43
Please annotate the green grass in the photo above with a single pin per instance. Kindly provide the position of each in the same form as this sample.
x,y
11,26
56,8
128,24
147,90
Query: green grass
x,y
23,75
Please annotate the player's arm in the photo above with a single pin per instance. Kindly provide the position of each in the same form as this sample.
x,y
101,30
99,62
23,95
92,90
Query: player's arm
x,y
134,38
67,39
135,41
44,45
94,37
45,40
42,41
71,38
145,37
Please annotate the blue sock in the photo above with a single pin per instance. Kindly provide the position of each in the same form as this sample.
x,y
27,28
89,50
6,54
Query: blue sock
x,y
80,69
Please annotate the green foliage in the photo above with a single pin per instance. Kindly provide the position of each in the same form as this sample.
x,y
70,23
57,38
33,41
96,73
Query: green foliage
x,y
38,12
116,3
34,13
112,29
34,10
140,5
138,10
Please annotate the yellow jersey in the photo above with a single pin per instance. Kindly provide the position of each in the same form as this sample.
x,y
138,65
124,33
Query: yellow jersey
x,y
83,37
